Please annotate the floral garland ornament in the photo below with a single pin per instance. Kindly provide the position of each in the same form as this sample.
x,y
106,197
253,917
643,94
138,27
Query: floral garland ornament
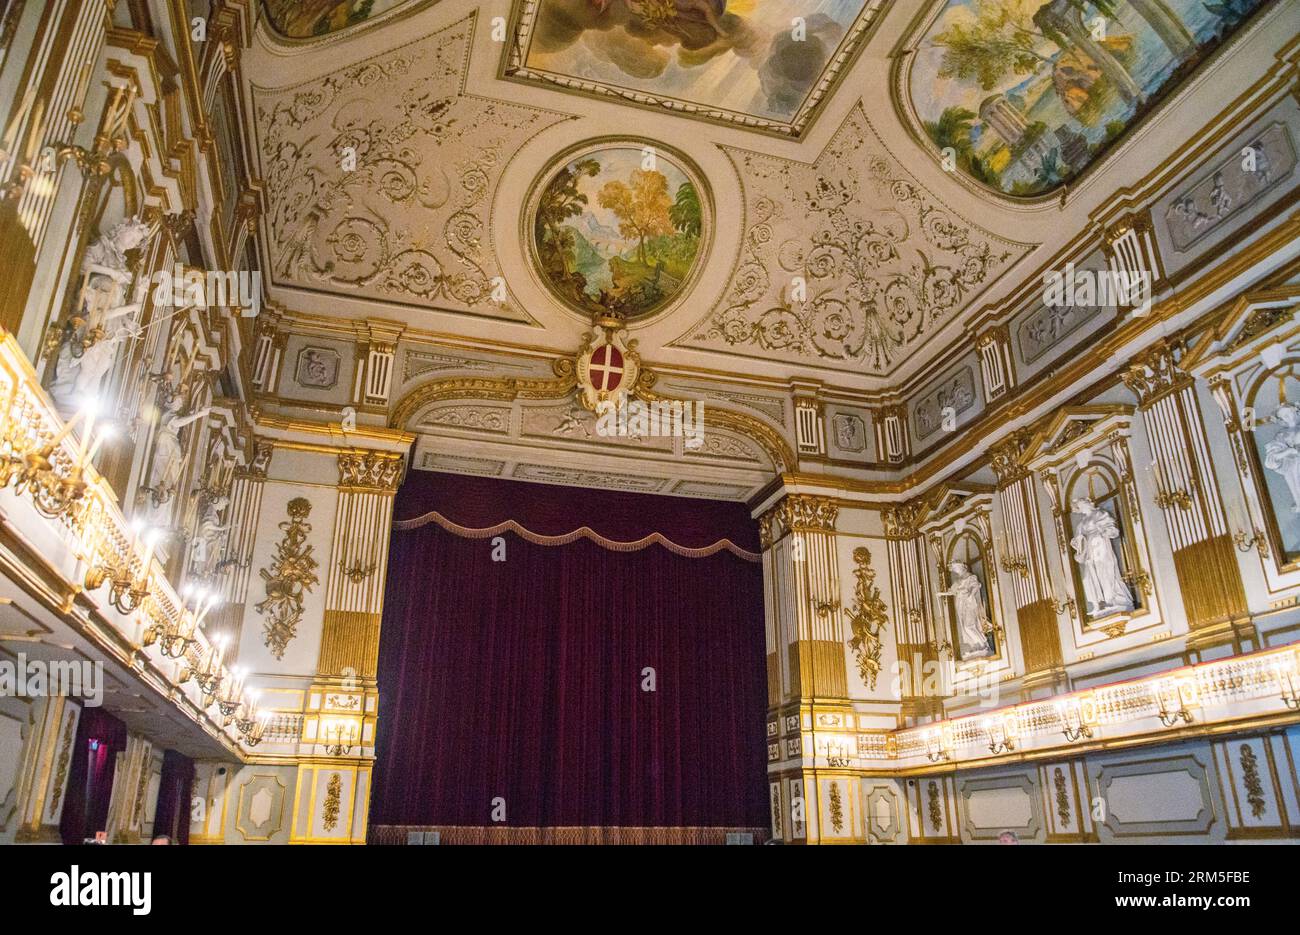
x,y
291,575
867,618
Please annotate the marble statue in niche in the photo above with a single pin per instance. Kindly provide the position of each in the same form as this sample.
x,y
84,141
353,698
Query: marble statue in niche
x,y
1094,550
1282,451
91,338
973,625
168,452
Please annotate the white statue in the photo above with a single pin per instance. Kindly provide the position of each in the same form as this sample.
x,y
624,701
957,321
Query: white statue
x,y
1282,453
1103,584
168,453
80,376
211,528
973,624
93,334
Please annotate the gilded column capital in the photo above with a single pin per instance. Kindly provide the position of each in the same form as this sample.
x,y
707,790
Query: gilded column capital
x,y
797,513
1004,457
1156,371
381,470
900,521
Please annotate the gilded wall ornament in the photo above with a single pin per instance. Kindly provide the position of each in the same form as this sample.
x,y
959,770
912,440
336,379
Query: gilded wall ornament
x,y
378,469
936,809
1062,798
333,795
836,808
1250,777
290,576
61,771
846,261
867,618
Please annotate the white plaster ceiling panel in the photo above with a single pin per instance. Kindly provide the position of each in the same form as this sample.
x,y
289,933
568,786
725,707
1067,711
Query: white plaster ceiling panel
x,y
408,223
846,262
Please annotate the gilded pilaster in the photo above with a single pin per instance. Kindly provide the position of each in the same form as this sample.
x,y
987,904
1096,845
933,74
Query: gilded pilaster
x,y
43,773
1205,558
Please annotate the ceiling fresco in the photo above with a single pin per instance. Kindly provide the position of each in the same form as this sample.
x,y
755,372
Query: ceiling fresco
x,y
303,19
620,228
1026,94
762,64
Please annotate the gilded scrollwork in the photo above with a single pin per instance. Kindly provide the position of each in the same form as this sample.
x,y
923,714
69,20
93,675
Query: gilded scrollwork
x,y
877,266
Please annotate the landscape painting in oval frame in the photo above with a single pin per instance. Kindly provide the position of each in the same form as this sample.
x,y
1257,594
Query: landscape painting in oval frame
x,y
1026,94
619,227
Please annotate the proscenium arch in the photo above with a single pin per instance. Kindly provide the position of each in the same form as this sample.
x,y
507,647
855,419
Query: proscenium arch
x,y
509,389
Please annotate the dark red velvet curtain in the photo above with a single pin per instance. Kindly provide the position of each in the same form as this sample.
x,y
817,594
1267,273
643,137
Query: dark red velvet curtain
x,y
522,681
175,787
100,738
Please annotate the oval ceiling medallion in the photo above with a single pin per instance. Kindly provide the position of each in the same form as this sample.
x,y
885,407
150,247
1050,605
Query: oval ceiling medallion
x,y
619,227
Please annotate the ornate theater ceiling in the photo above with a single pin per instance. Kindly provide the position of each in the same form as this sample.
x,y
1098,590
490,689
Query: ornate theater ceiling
x,y
835,191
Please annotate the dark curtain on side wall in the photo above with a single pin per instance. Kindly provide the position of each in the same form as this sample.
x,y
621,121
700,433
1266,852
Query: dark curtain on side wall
x,y
100,738
175,787
522,680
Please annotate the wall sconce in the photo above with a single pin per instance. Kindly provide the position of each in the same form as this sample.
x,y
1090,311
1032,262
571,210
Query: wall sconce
x,y
1286,677
229,703
1068,605
339,741
1167,496
356,572
209,677
938,745
1171,692
837,753
1016,563
1002,734
253,723
1255,540
1077,717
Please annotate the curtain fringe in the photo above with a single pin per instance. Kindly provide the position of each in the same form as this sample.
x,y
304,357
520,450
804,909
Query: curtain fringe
x,y
583,532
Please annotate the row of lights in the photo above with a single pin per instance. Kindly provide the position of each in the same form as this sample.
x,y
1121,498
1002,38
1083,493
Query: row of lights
x,y
31,465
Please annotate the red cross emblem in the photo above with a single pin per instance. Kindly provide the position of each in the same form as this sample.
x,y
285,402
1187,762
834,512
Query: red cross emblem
x,y
606,368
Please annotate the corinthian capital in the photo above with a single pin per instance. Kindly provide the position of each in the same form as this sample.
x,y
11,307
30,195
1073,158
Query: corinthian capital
x,y
1155,371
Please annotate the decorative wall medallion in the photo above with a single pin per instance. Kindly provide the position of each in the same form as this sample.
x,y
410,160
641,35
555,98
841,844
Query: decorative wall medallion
x,y
730,61
849,432
407,219
1028,96
1233,185
291,574
619,227
318,368
955,393
846,262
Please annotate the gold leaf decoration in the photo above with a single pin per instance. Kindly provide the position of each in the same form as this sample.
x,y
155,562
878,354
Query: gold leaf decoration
x,y
867,618
1062,799
291,575
1250,776
837,808
333,793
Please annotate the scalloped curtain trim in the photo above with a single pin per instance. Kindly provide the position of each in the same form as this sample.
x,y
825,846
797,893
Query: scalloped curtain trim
x,y
583,532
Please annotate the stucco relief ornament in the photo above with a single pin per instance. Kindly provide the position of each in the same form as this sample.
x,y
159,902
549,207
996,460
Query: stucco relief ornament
x,y
608,365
